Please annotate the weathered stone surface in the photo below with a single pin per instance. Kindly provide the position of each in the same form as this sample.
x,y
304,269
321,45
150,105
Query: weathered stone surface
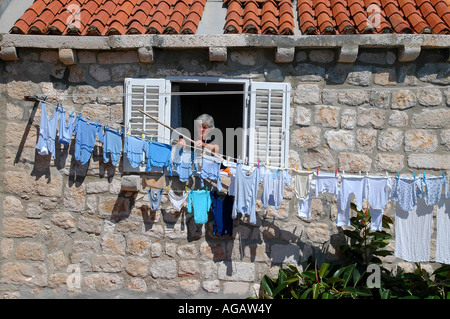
x,y
385,77
341,140
353,97
23,184
12,206
321,56
114,244
190,286
421,141
74,197
381,99
306,137
24,273
64,220
366,140
164,269
361,76
318,232
439,118
429,161
327,115
398,119
236,271
321,158
309,73
118,57
429,97
90,225
389,162
137,266
20,228
403,99
307,94
188,268
373,117
108,263
349,162
289,254
348,119
302,116
103,282
138,245
30,251
445,138
390,140
436,73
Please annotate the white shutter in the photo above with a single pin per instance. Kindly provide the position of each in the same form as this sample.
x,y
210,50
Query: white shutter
x,y
148,95
269,123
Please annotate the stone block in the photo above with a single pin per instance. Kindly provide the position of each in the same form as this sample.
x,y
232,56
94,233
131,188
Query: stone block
x,y
327,115
429,161
429,97
366,140
20,228
118,57
421,141
321,158
350,162
353,97
390,140
137,266
360,76
302,116
371,117
288,254
348,119
385,77
321,56
341,140
236,271
64,220
389,162
307,137
103,282
398,119
30,251
307,94
403,99
164,269
138,245
439,118
445,138
24,273
108,263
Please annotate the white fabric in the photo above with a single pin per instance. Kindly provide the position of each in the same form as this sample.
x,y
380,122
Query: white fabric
x,y
326,184
378,192
443,231
177,201
304,205
352,186
413,232
301,184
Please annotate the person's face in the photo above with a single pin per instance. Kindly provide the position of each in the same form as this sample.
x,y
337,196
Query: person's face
x,y
203,130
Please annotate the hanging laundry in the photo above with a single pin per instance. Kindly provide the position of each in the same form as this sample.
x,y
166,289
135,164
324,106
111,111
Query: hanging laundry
x,y
222,209
304,205
433,190
442,231
413,232
177,201
86,132
245,190
134,148
232,173
65,129
350,186
273,186
378,193
326,184
158,155
182,161
200,201
211,170
154,198
112,146
47,131
405,191
343,212
301,184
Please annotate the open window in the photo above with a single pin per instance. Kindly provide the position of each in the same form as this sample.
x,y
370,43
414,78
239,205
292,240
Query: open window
x,y
251,118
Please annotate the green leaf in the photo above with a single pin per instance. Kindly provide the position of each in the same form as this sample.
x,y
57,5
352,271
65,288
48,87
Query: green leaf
x,y
359,291
384,293
266,284
323,270
315,289
306,293
348,274
353,234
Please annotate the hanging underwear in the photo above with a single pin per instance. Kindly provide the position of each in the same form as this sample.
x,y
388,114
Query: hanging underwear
x,y
112,146
200,201
154,198
177,201
326,184
65,130
211,170
377,194
47,131
182,161
405,191
433,190
352,185
86,132
245,190
134,148
273,186
158,155
304,205
221,209
301,184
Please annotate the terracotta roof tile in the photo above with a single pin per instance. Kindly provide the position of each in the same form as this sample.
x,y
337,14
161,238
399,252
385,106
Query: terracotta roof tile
x,y
107,17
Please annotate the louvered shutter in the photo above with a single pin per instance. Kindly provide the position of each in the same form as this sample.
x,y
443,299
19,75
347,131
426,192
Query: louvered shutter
x,y
150,96
269,123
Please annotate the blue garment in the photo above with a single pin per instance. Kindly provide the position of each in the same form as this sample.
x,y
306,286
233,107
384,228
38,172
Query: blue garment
x,y
65,131
211,170
86,132
405,191
112,146
433,190
245,192
47,131
154,198
134,148
273,186
201,202
221,209
158,155
182,161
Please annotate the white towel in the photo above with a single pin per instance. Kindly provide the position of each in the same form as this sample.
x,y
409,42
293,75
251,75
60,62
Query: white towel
x,y
442,231
413,232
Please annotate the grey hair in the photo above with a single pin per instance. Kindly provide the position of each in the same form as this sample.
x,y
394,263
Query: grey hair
x,y
205,119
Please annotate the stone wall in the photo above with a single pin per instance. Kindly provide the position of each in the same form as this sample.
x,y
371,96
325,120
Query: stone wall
x,y
376,115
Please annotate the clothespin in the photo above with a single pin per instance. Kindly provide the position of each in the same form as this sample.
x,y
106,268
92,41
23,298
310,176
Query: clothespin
x,y
309,170
424,177
317,170
168,187
106,127
335,172
296,168
121,130
185,188
143,137
258,162
129,132
414,175
398,175
283,167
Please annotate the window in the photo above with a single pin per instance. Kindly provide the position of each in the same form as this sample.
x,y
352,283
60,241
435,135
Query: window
x,y
251,118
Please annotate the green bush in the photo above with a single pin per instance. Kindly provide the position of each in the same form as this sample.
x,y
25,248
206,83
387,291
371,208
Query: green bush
x,y
348,276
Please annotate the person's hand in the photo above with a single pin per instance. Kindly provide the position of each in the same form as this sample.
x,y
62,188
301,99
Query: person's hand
x,y
181,143
198,144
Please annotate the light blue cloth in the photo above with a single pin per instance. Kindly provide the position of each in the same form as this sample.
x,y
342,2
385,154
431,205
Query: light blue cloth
x,y
211,170
273,186
86,132
154,198
200,201
112,146
405,191
47,131
134,148
433,190
245,192
158,155
182,161
65,130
